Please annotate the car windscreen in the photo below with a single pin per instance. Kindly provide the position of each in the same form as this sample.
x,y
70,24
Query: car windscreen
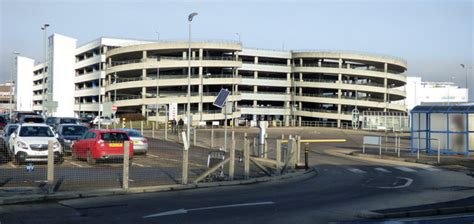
x,y
68,121
36,131
114,136
11,129
73,130
134,134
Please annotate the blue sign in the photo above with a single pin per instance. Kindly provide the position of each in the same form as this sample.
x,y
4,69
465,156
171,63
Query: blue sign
x,y
30,167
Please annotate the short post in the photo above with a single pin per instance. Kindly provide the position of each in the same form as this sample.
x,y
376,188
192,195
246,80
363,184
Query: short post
x,y
194,136
246,157
254,148
184,178
363,148
123,123
131,125
306,154
418,153
265,155
399,147
153,129
232,160
141,127
50,166
278,156
126,165
212,137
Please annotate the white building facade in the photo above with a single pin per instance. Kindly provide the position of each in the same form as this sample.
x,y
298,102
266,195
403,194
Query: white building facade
x,y
419,92
24,83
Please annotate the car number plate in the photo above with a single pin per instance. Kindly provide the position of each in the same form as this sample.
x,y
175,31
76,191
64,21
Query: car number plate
x,y
137,142
115,144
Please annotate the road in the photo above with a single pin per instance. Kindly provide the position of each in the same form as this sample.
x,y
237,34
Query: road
x,y
338,192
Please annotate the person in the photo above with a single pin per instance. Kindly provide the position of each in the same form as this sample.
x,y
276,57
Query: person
x,y
180,124
173,125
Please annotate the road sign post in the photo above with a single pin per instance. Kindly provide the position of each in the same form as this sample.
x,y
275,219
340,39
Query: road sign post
x,y
221,101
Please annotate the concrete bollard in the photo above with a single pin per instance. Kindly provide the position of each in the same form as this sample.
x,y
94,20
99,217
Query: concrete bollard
x,y
184,177
126,165
50,166
153,129
141,127
246,157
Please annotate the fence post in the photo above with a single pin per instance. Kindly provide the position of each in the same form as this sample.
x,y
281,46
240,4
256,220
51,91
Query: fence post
x,y
194,136
131,125
399,146
50,166
380,147
265,152
246,157
184,177
153,129
278,156
166,129
126,165
212,137
298,149
439,152
232,160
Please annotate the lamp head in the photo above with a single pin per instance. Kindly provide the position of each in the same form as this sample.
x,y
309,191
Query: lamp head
x,y
191,16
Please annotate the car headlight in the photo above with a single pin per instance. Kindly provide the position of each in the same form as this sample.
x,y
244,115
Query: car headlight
x,y
56,145
22,145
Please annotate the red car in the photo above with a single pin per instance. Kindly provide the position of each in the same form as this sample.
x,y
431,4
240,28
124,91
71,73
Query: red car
x,y
101,144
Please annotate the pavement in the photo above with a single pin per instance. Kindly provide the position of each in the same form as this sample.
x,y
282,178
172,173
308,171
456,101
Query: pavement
x,y
346,188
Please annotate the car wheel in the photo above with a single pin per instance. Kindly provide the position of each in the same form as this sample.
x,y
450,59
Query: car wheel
x,y
90,160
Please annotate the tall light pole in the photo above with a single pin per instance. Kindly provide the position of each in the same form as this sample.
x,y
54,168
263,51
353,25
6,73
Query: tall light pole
x,y
44,28
467,86
449,86
158,33
190,19
238,35
12,83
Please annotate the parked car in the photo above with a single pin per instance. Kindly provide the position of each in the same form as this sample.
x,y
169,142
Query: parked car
x,y
140,143
50,121
3,122
86,122
67,134
65,120
32,119
5,139
30,143
103,121
101,145
16,115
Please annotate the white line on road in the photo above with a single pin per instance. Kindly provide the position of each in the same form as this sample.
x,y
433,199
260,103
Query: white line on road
x,y
380,169
184,211
140,165
13,165
431,169
131,180
405,169
75,164
151,155
355,170
408,183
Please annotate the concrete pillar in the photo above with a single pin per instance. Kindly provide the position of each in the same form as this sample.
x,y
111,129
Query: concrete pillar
x,y
255,60
301,61
201,87
385,84
144,55
201,53
255,88
185,53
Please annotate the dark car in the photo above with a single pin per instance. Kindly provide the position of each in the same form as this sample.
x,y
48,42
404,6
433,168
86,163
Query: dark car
x,y
65,120
3,122
50,121
17,115
38,119
67,134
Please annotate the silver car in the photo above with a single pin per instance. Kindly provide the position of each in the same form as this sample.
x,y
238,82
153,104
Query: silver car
x,y
140,143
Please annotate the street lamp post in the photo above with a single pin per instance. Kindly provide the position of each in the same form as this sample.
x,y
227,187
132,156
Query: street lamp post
x,y
238,35
12,85
158,33
190,19
44,28
467,86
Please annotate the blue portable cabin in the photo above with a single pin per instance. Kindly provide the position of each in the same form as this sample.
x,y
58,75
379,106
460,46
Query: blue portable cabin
x,y
452,127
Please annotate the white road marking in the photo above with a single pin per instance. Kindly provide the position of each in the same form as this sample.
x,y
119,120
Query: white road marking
x,y
151,155
432,169
184,211
408,183
13,165
140,165
355,170
41,181
131,180
380,169
405,169
75,164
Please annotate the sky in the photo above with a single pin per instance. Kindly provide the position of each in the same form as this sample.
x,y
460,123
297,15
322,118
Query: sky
x,y
434,36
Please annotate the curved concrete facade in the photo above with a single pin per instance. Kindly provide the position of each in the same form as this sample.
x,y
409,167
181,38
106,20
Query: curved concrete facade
x,y
290,86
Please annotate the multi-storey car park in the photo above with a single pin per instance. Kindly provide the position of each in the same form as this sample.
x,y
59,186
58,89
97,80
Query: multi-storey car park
x,y
293,87
288,87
